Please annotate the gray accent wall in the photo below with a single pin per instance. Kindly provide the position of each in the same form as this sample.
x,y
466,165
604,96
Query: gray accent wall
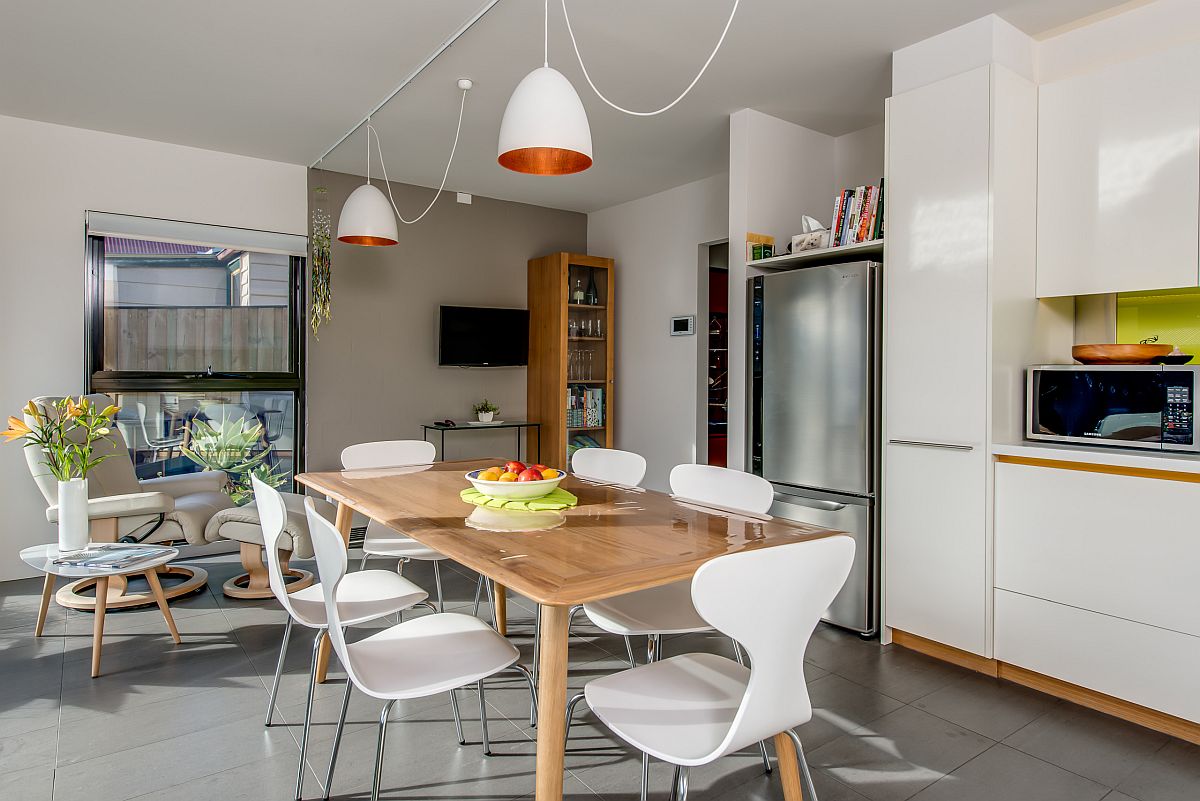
x,y
373,373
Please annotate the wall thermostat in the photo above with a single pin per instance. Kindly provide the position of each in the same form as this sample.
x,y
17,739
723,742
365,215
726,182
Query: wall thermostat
x,y
683,326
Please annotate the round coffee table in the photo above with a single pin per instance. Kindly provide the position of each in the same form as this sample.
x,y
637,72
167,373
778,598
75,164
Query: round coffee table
x,y
41,557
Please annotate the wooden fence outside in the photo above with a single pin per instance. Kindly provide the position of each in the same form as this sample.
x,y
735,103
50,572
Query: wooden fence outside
x,y
193,339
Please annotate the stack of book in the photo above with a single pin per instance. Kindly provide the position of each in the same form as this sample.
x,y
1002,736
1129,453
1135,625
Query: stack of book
x,y
585,407
857,216
110,557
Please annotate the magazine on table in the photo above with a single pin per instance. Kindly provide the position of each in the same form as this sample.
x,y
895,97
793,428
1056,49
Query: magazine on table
x,y
109,557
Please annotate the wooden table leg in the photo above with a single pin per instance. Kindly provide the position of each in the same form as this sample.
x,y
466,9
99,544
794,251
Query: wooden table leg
x,y
156,588
552,703
47,591
789,768
501,609
98,623
345,516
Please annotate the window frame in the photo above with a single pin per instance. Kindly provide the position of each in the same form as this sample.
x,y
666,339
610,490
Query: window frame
x,y
97,379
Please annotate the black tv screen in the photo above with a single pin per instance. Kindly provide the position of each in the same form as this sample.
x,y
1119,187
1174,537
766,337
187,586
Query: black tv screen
x,y
475,336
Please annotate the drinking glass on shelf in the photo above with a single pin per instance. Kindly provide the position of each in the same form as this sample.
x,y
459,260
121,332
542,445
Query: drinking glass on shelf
x,y
572,327
600,327
588,362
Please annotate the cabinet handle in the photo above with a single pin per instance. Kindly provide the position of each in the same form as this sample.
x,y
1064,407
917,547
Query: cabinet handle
x,y
944,445
812,503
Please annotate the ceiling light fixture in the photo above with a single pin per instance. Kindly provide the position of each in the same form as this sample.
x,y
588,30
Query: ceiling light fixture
x,y
368,218
545,129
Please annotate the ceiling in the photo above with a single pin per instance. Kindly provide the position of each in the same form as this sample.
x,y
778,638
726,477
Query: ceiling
x,y
284,79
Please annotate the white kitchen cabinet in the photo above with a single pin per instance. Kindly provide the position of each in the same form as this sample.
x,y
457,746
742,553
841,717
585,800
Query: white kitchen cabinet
x,y
935,544
1150,666
1119,545
1119,177
936,279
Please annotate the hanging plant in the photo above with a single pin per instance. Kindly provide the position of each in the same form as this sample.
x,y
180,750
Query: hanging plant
x,y
322,273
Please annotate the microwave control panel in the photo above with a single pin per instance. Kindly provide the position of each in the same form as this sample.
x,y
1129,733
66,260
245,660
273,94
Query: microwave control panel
x,y
1177,416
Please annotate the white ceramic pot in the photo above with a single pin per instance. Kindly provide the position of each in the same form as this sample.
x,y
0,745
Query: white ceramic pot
x,y
73,525
485,417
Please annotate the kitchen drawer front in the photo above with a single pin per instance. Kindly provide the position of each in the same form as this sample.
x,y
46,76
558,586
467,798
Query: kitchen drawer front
x,y
1119,545
1143,664
935,544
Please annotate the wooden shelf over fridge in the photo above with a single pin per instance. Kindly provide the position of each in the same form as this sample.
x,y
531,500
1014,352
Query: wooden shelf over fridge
x,y
551,280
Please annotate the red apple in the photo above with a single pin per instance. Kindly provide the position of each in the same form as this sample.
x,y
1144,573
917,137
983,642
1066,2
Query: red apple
x,y
541,468
529,474
514,467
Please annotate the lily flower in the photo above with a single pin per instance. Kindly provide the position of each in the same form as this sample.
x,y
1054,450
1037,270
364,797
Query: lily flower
x,y
16,430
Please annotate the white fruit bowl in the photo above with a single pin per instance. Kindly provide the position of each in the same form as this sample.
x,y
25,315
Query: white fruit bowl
x,y
515,490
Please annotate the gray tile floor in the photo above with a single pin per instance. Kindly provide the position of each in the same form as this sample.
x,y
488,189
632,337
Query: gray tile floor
x,y
185,722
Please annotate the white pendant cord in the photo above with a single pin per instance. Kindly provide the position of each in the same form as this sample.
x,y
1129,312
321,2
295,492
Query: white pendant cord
x,y
546,34
379,150
670,105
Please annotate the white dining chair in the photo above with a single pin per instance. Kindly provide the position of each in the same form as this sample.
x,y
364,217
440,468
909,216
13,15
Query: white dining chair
x,y
668,609
367,595
692,709
609,466
415,659
380,539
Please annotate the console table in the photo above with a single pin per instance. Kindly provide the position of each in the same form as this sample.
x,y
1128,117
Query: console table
x,y
469,426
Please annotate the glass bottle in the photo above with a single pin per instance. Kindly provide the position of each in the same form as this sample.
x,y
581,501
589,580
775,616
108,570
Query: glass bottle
x,y
592,298
577,294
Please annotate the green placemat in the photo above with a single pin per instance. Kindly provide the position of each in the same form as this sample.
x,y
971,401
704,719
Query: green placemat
x,y
558,499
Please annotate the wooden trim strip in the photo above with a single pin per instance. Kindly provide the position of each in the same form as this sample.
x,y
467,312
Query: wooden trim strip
x,y
1109,469
1092,699
946,653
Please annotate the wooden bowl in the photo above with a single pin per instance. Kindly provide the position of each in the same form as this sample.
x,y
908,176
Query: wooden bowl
x,y
1119,354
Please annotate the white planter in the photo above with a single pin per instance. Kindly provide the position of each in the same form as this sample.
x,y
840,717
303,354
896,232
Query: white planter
x,y
485,417
73,525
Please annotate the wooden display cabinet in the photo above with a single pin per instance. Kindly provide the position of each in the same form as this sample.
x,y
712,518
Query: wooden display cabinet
x,y
570,353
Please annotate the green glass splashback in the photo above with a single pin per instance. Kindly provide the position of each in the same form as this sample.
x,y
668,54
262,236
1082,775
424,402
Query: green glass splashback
x,y
1172,315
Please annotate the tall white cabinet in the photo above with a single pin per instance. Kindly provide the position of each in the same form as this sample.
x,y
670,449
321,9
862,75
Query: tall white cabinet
x,y
961,321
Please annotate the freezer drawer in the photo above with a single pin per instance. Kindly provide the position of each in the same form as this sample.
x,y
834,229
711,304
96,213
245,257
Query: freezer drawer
x,y
855,606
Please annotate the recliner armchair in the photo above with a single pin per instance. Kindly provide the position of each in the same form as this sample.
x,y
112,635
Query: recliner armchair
x,y
173,509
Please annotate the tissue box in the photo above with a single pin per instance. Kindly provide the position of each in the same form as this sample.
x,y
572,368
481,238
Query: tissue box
x,y
810,241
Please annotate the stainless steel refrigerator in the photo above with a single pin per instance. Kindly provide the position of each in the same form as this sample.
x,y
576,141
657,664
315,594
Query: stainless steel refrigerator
x,y
814,412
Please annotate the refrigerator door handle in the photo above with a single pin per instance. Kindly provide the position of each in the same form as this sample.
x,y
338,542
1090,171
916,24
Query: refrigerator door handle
x,y
812,503
950,446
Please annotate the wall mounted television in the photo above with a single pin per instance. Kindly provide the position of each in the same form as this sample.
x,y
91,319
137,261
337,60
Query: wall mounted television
x,y
477,336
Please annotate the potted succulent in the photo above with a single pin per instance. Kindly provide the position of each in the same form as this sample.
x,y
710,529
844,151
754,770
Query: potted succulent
x,y
67,434
485,410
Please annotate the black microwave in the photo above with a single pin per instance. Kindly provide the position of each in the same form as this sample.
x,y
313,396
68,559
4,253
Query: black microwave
x,y
1129,406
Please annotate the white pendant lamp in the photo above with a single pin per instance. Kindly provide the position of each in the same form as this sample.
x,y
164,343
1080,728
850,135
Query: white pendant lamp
x,y
545,129
367,219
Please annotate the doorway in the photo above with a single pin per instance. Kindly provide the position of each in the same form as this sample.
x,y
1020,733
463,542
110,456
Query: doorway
x,y
716,379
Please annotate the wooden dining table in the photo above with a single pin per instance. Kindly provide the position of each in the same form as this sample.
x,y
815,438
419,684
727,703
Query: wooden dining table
x,y
616,540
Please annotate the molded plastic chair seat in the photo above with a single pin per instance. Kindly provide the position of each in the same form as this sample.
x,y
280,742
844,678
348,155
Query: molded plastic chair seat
x,y
362,596
679,709
428,655
655,610
394,545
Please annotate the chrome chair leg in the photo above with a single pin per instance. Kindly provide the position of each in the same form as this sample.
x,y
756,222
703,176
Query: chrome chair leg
x,y
576,609
629,651
362,565
575,699
762,746
312,689
478,592
483,719
810,791
653,648
680,791
337,739
528,676
287,635
458,729
675,783
437,580
645,776
383,722
487,585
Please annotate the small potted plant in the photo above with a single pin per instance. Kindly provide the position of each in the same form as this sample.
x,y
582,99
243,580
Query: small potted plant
x,y
67,435
485,410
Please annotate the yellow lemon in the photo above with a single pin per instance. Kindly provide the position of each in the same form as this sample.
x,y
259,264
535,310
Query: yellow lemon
x,y
491,474
550,472
508,476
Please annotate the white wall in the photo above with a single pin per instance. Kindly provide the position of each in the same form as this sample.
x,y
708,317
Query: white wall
x,y
857,161
654,241
51,175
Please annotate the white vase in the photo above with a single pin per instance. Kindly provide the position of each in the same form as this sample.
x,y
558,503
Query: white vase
x,y
73,524
485,417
